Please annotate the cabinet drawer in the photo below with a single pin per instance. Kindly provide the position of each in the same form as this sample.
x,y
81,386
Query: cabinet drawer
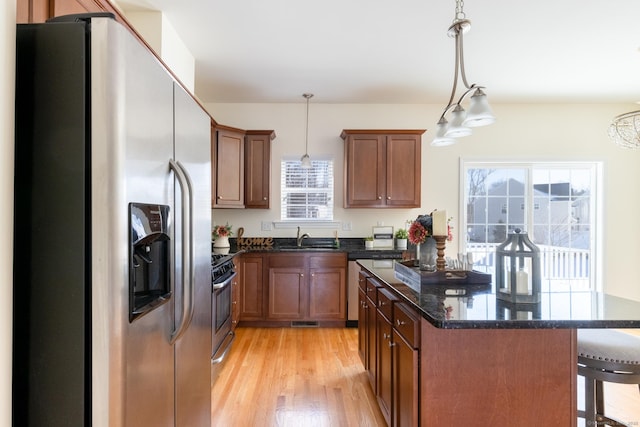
x,y
407,323
362,280
285,260
328,260
371,289
385,303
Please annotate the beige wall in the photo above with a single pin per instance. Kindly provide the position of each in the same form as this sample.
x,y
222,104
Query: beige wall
x,y
522,132
7,52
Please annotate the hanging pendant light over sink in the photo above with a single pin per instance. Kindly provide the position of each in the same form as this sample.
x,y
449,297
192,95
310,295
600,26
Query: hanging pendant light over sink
x,y
305,160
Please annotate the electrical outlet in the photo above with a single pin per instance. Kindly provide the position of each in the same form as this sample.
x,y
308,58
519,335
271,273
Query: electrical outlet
x,y
267,226
347,226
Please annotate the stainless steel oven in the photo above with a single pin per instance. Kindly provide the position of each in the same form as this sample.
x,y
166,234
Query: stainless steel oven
x,y
222,274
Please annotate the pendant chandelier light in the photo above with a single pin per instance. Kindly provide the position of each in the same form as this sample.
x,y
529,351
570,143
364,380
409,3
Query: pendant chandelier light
x,y
625,130
305,160
479,113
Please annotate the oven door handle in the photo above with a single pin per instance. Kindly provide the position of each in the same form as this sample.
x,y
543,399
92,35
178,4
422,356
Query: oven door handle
x,y
188,271
218,286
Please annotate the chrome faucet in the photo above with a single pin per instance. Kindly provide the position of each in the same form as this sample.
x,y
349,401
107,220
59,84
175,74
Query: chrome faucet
x,y
299,238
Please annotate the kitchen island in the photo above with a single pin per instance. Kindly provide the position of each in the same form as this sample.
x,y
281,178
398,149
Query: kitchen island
x,y
480,361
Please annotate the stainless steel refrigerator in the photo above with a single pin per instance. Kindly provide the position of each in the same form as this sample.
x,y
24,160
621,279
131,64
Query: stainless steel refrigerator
x,y
112,286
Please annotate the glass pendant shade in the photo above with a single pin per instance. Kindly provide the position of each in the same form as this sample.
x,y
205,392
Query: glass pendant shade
x,y
441,140
625,130
479,113
456,128
305,162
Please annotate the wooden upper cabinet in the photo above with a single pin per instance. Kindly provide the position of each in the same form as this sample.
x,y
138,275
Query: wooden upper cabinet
x,y
382,168
228,164
257,172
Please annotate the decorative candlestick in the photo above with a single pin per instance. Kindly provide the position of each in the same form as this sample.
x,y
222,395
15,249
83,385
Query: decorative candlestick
x,y
441,242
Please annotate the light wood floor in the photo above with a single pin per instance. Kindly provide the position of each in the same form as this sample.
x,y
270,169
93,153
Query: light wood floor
x,y
295,377
303,377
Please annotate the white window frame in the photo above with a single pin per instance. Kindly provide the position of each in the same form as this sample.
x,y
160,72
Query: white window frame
x,y
596,196
321,222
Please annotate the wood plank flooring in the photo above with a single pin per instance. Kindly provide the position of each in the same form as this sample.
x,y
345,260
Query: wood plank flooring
x,y
294,377
308,377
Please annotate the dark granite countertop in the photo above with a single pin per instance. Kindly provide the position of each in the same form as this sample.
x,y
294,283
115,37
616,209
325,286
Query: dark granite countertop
x,y
353,247
476,306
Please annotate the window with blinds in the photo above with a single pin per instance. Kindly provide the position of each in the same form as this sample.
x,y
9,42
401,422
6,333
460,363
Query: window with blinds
x,y
307,194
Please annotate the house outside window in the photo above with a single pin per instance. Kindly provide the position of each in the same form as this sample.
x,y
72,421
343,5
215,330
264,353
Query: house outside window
x,y
307,194
555,203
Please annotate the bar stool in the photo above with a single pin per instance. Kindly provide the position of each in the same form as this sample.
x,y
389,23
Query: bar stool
x,y
605,355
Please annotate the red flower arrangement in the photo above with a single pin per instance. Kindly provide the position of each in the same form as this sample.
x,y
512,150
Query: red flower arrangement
x,y
222,230
422,228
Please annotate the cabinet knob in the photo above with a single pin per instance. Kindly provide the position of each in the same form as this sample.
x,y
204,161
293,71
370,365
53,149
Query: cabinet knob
x,y
234,302
383,303
388,197
391,344
379,197
400,322
301,274
264,198
219,197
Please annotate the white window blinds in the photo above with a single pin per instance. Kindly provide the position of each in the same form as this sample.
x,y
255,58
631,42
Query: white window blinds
x,y
307,194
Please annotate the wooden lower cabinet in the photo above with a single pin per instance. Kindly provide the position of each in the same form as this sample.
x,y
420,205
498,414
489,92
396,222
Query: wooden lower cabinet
x,y
310,286
280,287
389,346
251,281
287,293
385,363
327,290
405,366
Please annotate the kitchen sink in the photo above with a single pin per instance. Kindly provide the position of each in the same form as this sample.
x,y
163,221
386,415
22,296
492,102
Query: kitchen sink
x,y
307,248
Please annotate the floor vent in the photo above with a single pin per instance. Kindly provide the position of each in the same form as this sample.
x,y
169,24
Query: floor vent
x,y
304,324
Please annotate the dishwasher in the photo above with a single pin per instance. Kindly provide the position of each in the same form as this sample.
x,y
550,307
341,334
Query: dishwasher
x,y
383,256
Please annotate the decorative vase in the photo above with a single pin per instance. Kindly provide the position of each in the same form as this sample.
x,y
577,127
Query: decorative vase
x,y
401,244
426,255
221,242
368,244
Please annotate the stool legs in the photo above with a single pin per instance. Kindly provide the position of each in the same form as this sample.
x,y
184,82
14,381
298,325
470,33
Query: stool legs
x,y
594,405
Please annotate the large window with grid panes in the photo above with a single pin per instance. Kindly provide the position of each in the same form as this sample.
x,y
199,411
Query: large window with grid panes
x,y
556,203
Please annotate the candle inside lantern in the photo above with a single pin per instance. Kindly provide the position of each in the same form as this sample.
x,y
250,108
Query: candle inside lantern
x,y
439,219
522,282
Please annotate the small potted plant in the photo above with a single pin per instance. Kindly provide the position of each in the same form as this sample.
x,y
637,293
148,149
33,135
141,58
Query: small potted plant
x,y
401,239
368,242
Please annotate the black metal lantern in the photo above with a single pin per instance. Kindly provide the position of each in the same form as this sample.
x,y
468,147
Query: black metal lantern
x,y
518,269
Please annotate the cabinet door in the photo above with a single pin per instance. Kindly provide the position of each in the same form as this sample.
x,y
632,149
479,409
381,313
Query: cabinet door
x,y
405,383
362,329
403,160
251,287
229,169
257,179
365,171
384,360
287,294
327,294
372,342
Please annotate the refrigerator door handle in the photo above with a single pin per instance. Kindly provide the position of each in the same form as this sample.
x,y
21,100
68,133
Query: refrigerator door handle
x,y
188,271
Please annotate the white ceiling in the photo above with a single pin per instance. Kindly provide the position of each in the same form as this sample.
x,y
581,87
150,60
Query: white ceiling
x,y
397,51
